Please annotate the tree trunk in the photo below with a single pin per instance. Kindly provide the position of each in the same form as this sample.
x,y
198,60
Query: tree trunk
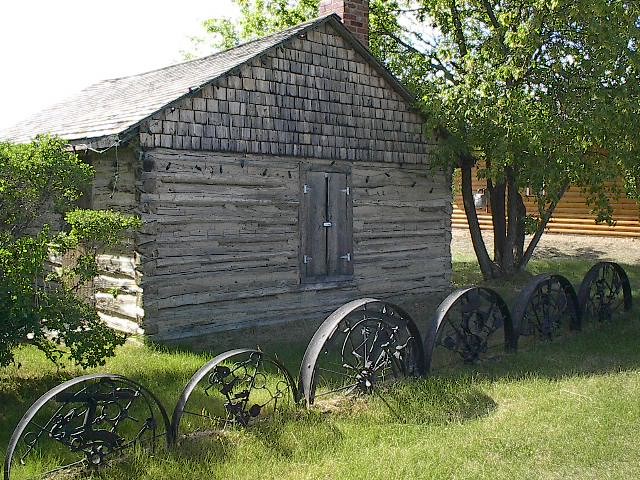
x,y
515,231
488,268
498,219
540,230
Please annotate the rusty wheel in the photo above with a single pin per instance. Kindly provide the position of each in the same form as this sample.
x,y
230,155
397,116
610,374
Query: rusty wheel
x,y
545,309
470,324
605,291
84,422
360,345
235,388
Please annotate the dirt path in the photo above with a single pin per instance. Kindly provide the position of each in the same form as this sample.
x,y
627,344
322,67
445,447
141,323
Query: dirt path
x,y
622,250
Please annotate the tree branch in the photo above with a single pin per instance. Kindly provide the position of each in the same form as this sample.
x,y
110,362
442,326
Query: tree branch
x,y
540,230
459,33
496,25
438,65
488,268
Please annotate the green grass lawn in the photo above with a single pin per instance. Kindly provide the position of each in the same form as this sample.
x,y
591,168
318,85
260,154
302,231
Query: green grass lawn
x,y
568,409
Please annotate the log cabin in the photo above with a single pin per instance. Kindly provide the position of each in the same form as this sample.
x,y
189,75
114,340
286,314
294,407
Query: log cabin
x,y
276,181
572,215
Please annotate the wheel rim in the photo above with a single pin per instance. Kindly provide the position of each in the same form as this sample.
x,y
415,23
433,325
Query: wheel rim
x,y
547,308
236,388
360,346
470,324
604,293
85,422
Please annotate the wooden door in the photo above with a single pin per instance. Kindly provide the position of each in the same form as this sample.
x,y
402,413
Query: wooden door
x,y
326,223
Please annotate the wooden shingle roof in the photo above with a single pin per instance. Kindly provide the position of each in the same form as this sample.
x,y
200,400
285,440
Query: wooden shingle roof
x,y
111,108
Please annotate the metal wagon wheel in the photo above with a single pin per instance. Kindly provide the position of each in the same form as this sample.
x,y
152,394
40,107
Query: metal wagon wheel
x,y
468,326
84,422
604,292
546,308
235,388
360,345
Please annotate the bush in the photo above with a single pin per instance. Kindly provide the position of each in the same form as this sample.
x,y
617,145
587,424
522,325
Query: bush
x,y
40,304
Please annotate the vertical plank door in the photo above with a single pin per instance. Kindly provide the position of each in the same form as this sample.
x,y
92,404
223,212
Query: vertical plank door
x,y
339,234
316,232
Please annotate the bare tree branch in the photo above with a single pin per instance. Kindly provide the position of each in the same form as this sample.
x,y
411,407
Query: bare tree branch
x,y
438,65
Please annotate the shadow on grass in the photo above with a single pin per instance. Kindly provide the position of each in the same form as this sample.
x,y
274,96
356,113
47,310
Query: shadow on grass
x,y
433,401
596,350
452,395
17,395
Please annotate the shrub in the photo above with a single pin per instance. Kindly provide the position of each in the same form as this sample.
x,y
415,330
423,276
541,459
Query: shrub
x,y
40,304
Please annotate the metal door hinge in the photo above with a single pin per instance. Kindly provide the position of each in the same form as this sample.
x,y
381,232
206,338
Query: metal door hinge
x,y
327,224
306,259
306,189
346,190
346,257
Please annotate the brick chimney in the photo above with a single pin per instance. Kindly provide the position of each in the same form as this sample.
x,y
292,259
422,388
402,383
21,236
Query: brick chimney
x,y
354,15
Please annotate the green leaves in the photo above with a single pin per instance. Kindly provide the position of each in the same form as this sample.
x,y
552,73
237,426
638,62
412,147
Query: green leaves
x,y
549,89
39,301
36,176
257,19
103,228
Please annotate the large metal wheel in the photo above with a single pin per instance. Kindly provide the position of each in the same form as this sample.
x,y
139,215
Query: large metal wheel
x,y
235,388
360,345
545,309
85,422
605,291
470,324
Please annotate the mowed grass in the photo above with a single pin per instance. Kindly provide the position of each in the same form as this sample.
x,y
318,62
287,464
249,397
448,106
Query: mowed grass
x,y
568,409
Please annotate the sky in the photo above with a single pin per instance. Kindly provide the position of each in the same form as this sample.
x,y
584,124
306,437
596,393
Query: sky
x,y
51,49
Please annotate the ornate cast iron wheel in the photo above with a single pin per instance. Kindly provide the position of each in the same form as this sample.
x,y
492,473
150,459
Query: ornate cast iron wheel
x,y
235,388
546,308
470,324
360,345
604,292
85,423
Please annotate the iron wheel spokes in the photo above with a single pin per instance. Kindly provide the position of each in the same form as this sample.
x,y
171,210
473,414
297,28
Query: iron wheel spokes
x,y
235,388
362,344
605,292
470,324
545,309
88,421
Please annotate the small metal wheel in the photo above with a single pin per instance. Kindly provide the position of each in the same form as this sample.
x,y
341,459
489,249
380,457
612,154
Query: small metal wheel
x,y
361,344
546,308
85,422
235,388
470,324
605,291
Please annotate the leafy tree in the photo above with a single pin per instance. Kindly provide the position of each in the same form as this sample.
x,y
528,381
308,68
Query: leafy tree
x,y
537,93
39,303
257,18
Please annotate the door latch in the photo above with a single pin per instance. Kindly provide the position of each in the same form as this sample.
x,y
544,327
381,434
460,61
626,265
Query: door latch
x,y
327,224
346,257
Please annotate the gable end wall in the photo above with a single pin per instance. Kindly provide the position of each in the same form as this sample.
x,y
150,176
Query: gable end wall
x,y
221,194
313,97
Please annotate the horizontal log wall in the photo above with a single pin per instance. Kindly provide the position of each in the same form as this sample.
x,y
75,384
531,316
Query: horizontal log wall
x,y
572,215
118,294
221,239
